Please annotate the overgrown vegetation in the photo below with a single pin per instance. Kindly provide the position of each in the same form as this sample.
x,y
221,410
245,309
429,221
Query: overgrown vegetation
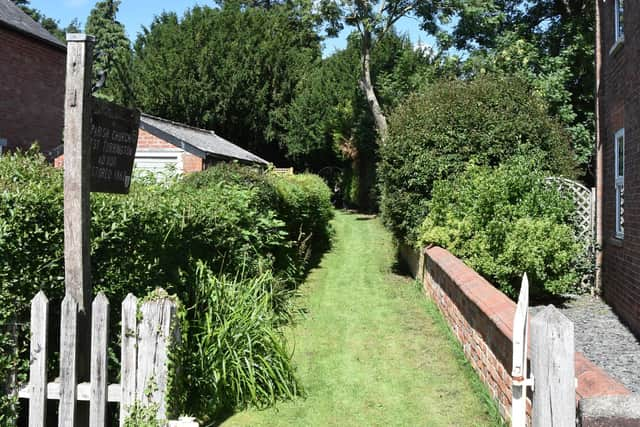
x,y
155,235
433,135
241,356
504,221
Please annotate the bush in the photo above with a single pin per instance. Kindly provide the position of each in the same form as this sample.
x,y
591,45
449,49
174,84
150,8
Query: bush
x,y
433,134
239,222
242,356
302,201
506,221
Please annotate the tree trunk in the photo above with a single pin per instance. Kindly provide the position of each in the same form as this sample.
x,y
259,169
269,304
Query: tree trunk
x,y
367,86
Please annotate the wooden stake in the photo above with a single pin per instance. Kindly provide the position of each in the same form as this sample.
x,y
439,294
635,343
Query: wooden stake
x,y
77,155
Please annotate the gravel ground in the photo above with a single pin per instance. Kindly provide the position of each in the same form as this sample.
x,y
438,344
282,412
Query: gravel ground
x,y
603,338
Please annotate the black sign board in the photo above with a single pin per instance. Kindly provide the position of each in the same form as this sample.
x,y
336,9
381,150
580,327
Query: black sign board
x,y
114,136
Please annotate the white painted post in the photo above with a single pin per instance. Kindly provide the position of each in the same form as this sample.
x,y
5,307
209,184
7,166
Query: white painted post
x,y
38,360
99,343
68,374
128,356
154,343
519,365
552,363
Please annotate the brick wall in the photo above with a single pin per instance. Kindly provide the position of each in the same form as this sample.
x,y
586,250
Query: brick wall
x,y
147,141
620,108
481,317
32,77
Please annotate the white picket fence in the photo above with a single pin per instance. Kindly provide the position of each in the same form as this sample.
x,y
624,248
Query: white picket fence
x,y
552,379
145,343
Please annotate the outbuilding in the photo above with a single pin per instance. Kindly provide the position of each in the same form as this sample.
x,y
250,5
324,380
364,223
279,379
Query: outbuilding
x,y
166,144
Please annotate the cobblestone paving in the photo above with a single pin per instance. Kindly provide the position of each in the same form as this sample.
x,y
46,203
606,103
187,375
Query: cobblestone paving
x,y
604,339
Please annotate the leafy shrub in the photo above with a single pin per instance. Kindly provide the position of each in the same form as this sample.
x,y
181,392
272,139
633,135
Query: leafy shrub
x,y
433,134
242,356
302,201
506,221
237,221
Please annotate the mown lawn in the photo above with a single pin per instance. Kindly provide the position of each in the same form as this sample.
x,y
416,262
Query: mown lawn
x,y
370,349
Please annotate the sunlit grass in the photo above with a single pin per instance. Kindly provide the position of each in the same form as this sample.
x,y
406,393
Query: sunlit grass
x,y
371,350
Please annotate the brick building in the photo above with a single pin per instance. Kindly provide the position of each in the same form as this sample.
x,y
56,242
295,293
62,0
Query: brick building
x,y
163,143
32,73
618,97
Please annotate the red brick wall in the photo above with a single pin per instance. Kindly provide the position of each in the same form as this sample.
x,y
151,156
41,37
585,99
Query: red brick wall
x,y
620,108
190,163
151,142
481,317
32,77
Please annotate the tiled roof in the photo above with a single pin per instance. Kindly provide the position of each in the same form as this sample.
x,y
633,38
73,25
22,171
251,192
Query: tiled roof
x,y
12,16
204,140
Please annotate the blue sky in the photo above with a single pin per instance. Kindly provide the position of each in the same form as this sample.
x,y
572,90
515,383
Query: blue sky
x,y
137,13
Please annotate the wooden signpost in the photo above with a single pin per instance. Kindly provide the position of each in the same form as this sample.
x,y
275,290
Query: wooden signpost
x,y
99,148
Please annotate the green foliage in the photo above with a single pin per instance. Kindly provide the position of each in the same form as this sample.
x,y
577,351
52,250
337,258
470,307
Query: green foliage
x,y
114,52
504,222
142,416
433,134
549,43
241,354
238,221
232,69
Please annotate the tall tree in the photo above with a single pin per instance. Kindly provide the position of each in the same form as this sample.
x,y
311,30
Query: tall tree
x,y
372,19
232,69
549,42
112,65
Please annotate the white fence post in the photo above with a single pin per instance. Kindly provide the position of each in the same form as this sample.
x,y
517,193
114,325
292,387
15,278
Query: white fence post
x,y
68,366
128,356
99,344
154,341
553,365
519,365
38,360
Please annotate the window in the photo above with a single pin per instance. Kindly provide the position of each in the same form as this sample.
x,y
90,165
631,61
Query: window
x,y
619,182
619,20
3,143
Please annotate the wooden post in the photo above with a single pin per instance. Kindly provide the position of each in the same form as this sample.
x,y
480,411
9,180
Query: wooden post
x,y
77,155
99,346
157,332
38,360
129,337
68,349
553,367
520,379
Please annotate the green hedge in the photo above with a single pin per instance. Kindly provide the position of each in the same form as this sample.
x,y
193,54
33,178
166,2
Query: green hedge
x,y
433,134
507,221
238,222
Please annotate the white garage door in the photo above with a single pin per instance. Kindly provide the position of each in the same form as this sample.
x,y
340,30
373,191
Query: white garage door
x,y
159,163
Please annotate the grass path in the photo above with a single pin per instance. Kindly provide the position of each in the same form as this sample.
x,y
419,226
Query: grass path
x,y
371,350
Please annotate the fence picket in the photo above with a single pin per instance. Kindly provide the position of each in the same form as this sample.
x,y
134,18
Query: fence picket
x,y
128,355
144,364
68,373
38,355
519,366
552,364
99,344
154,335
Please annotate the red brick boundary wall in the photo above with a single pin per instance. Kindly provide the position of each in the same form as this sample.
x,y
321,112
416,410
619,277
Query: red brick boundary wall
x,y
481,317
